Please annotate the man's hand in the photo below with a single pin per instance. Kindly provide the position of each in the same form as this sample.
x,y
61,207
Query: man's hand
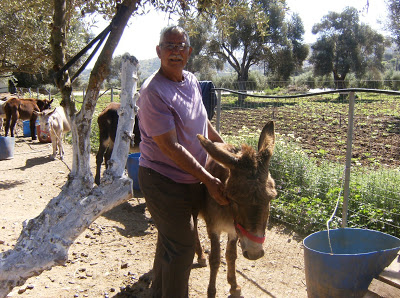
x,y
217,191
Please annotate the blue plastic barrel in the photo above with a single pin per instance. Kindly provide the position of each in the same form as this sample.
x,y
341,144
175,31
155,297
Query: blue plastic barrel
x,y
359,255
27,129
132,165
7,145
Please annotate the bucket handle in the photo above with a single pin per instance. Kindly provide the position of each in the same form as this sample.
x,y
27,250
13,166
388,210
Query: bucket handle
x,y
334,211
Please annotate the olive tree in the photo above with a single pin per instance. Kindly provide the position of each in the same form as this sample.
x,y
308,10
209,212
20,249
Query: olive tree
x,y
25,28
345,45
247,33
393,8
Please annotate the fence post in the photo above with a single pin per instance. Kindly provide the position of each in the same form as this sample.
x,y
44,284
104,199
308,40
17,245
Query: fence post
x,y
346,190
112,93
219,92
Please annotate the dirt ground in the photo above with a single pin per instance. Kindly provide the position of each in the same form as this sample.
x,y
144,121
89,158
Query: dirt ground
x,y
113,257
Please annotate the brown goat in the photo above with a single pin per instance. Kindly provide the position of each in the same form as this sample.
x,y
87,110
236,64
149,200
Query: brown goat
x,y
22,108
249,189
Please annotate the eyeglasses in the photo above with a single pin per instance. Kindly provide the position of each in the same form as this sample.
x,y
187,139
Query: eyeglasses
x,y
172,46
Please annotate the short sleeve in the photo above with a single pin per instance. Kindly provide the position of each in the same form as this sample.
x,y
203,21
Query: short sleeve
x,y
155,115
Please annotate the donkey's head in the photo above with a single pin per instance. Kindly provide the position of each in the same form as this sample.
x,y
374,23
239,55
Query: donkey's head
x,y
44,118
249,187
44,104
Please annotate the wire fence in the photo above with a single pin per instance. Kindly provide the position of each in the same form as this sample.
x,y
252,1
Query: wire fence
x,y
329,147
296,84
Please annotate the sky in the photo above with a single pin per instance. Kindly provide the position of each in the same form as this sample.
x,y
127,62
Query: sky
x,y
141,36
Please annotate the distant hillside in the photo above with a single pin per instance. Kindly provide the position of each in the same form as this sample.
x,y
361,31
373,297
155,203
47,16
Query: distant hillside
x,y
147,67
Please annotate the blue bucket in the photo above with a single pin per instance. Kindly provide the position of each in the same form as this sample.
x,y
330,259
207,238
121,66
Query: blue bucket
x,y
7,145
359,256
27,129
132,165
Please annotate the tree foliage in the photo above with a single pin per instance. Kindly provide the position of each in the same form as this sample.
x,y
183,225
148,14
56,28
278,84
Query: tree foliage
x,y
345,45
25,27
246,33
393,8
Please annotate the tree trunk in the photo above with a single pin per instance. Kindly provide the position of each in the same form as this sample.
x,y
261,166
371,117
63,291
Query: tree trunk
x,y
339,80
340,83
45,240
242,81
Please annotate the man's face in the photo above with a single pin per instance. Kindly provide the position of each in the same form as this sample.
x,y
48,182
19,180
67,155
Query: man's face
x,y
174,52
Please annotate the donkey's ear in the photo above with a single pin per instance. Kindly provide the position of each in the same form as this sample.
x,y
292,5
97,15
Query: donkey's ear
x,y
267,138
266,145
219,152
38,113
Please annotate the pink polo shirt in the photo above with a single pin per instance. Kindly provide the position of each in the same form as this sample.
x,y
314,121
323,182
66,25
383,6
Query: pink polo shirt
x,y
165,105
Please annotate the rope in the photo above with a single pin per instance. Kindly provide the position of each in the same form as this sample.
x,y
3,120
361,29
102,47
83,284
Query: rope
x,y
27,152
334,211
75,100
69,169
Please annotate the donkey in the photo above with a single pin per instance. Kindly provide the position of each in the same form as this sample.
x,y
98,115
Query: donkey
x,y
22,108
54,121
249,189
2,113
108,124
3,98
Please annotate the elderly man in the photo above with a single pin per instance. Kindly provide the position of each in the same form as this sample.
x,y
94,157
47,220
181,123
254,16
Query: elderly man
x,y
172,176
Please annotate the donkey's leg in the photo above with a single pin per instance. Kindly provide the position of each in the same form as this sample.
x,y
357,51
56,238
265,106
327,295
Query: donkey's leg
x,y
103,145
60,146
32,126
14,118
99,161
54,141
108,153
201,259
7,127
231,256
215,260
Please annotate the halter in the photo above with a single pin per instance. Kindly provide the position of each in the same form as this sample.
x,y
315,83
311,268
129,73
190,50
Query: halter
x,y
243,231
249,235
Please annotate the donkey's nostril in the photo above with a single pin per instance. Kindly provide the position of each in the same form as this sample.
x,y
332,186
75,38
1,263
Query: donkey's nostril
x,y
245,254
253,256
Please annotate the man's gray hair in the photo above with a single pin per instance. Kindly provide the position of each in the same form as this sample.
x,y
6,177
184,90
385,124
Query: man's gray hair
x,y
174,29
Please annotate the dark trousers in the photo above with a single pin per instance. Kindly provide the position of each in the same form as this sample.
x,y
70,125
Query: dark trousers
x,y
171,206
